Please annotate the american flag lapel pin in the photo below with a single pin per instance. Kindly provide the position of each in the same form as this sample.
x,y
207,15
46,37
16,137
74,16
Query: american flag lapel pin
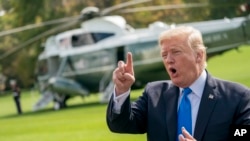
x,y
211,96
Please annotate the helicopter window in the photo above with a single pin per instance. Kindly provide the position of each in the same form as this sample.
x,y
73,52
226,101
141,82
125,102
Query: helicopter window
x,y
88,38
146,50
100,36
82,39
64,43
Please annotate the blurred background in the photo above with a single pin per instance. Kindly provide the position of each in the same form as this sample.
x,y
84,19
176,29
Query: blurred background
x,y
21,64
84,119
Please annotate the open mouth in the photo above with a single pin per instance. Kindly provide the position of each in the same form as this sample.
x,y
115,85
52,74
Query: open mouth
x,y
172,70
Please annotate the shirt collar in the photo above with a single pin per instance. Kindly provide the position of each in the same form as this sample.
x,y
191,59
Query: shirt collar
x,y
198,86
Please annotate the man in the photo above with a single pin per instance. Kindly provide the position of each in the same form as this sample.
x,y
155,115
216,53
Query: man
x,y
215,104
16,95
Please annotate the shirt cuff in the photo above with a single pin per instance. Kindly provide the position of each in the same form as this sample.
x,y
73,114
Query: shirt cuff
x,y
119,100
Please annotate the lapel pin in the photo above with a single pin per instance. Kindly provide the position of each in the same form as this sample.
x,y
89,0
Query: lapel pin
x,y
211,96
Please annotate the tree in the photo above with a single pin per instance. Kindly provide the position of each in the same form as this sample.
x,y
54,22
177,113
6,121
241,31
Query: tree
x,y
21,65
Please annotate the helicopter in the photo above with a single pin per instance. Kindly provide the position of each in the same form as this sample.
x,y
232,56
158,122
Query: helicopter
x,y
80,61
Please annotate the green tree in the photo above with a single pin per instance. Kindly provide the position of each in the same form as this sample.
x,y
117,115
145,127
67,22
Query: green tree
x,y
225,8
21,65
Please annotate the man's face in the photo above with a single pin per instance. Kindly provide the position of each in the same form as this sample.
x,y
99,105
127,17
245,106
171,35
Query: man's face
x,y
181,62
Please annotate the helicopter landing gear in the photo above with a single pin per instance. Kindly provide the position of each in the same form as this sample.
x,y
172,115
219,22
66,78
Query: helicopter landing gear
x,y
60,102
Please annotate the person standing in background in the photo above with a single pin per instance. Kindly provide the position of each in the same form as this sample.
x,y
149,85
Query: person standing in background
x,y
16,95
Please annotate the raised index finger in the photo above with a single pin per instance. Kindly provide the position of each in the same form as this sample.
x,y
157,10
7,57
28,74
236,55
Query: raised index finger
x,y
129,63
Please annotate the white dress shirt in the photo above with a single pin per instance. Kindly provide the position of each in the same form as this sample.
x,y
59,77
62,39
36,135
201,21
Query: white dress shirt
x,y
119,100
195,97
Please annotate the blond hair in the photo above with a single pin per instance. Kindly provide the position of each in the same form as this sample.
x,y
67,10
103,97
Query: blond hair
x,y
194,39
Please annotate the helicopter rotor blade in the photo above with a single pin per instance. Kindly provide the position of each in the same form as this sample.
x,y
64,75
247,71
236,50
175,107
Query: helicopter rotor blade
x,y
36,38
32,26
62,20
162,7
122,5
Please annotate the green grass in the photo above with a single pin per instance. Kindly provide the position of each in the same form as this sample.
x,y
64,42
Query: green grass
x,y
84,119
233,65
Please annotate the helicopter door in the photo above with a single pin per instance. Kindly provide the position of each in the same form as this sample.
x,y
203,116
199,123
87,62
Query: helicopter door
x,y
106,85
53,64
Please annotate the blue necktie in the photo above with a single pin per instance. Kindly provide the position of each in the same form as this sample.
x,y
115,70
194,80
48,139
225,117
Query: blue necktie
x,y
184,113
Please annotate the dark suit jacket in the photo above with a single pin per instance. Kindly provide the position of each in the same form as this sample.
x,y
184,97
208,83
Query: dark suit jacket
x,y
222,104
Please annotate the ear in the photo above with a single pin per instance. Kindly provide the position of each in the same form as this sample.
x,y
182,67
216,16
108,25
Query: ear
x,y
199,56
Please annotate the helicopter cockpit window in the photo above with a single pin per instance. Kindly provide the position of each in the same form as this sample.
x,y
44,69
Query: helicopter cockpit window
x,y
82,39
88,38
100,36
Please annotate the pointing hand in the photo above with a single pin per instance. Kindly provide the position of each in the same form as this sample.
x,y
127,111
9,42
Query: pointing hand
x,y
123,75
185,136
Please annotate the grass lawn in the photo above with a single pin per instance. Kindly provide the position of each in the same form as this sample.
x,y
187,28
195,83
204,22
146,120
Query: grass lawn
x,y
233,65
84,119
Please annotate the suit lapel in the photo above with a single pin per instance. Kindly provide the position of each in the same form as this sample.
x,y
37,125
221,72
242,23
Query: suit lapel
x,y
171,99
207,105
